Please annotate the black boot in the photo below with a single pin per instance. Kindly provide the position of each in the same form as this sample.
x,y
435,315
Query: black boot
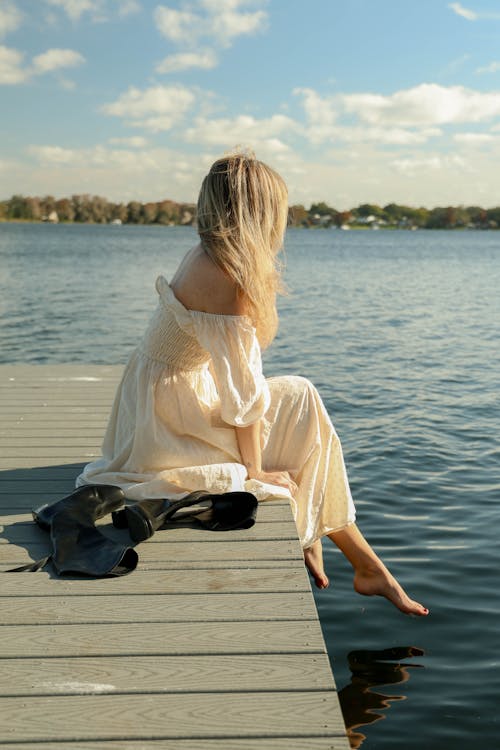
x,y
221,512
97,499
142,519
77,546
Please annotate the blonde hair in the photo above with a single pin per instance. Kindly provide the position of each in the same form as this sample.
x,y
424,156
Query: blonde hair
x,y
242,216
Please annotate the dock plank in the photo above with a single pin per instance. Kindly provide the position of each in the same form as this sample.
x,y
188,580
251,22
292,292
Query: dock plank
x,y
236,743
254,637
278,550
172,716
71,610
26,532
213,643
164,674
231,581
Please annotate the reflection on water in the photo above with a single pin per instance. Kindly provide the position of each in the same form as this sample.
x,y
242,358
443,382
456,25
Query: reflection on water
x,y
360,704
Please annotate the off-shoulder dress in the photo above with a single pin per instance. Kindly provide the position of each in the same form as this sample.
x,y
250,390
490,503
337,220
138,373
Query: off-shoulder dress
x,y
192,379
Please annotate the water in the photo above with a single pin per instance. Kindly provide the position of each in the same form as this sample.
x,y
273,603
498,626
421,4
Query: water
x,y
400,332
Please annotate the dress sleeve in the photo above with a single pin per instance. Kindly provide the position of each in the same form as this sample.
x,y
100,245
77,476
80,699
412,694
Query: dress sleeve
x,y
236,366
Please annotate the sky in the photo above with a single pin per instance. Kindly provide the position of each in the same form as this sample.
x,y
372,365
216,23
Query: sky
x,y
352,101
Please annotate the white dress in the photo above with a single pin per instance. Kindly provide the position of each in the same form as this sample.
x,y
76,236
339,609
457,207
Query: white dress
x,y
196,375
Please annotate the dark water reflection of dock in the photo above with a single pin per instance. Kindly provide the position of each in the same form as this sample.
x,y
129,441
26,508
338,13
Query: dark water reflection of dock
x,y
361,705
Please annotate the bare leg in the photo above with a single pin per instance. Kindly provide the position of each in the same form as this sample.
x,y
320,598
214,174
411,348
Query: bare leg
x,y
371,577
313,558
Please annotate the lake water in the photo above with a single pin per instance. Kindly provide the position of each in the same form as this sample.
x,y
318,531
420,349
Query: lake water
x,y
400,332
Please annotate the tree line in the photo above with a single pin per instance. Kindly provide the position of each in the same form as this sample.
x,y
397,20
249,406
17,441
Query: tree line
x,y
95,209
396,215
92,209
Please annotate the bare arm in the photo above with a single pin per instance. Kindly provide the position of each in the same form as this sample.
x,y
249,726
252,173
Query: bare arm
x,y
249,445
251,456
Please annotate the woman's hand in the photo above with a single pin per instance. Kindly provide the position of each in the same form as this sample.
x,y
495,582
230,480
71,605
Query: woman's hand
x,y
279,478
249,442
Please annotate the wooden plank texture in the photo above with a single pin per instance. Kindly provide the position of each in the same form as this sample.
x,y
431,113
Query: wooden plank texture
x,y
71,610
213,643
25,532
288,637
279,550
170,716
163,674
236,743
230,581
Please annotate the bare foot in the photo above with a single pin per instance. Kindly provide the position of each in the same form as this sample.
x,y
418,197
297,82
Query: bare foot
x,y
313,558
379,582
371,577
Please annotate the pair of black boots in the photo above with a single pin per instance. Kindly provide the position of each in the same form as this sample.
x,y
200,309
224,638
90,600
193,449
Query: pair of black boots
x,y
225,512
78,547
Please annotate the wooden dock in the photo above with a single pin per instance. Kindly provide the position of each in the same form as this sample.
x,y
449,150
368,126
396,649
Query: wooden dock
x,y
212,643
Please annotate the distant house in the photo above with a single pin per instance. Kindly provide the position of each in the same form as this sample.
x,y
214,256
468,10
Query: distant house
x,y
371,221
187,217
322,220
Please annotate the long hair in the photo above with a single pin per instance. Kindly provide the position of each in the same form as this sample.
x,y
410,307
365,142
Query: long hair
x,y
242,215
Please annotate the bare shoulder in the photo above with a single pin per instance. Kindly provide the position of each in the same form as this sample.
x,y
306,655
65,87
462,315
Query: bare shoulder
x,y
201,285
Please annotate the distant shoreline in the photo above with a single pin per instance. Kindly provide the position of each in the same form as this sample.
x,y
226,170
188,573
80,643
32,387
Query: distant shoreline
x,y
352,227
93,209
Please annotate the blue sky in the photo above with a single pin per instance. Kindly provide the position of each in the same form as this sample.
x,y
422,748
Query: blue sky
x,y
351,100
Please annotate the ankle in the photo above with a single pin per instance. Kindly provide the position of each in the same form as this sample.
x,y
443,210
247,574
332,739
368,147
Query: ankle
x,y
371,569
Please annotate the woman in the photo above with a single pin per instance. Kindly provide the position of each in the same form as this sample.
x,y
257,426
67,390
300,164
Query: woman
x,y
194,411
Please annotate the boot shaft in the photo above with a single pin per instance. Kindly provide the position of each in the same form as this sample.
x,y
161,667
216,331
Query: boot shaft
x,y
86,504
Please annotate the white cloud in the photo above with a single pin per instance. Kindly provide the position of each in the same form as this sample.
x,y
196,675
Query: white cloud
x,y
474,139
324,116
185,60
76,8
418,178
14,71
410,166
136,141
157,108
179,26
65,83
317,109
11,70
10,18
390,136
96,156
454,66
267,137
54,154
54,59
99,10
493,67
321,114
406,117
219,20
222,6
128,7
424,105
231,23
470,15
243,129
118,173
